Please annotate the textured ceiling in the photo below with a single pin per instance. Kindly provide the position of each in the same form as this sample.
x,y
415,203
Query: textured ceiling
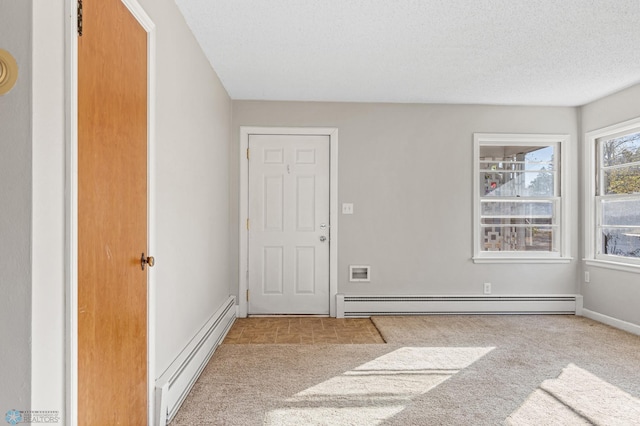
x,y
512,52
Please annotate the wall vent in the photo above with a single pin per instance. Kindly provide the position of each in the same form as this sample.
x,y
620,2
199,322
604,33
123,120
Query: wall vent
x,y
359,273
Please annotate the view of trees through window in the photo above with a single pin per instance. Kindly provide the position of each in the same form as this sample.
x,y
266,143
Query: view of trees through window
x,y
619,195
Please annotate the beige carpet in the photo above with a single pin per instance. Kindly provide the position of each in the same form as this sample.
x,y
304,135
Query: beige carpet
x,y
434,370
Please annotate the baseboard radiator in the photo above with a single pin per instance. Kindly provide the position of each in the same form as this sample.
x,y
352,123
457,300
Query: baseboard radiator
x,y
366,306
175,383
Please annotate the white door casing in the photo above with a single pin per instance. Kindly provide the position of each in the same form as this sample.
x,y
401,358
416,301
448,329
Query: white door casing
x,y
332,239
289,224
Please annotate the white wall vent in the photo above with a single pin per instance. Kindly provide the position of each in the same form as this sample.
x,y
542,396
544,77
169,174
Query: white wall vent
x,y
359,273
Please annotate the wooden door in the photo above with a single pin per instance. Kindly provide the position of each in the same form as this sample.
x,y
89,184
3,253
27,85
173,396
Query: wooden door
x,y
112,216
289,224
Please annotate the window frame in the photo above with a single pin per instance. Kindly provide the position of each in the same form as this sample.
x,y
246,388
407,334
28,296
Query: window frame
x,y
592,200
562,197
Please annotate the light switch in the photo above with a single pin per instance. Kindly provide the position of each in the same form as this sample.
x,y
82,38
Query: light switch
x,y
347,208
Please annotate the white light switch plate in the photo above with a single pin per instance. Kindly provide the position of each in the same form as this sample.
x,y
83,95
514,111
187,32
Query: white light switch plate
x,y
347,208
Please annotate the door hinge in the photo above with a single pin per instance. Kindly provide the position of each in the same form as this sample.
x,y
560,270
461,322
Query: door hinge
x,y
247,224
79,18
247,295
247,153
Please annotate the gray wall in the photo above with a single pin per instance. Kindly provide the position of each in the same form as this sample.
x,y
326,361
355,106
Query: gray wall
x,y
408,170
15,213
609,292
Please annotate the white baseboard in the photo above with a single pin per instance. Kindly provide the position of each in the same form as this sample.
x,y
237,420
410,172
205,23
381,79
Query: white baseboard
x,y
613,322
366,306
174,384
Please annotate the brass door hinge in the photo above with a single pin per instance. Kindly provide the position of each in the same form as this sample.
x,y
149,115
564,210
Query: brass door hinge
x,y
247,224
247,153
247,295
79,18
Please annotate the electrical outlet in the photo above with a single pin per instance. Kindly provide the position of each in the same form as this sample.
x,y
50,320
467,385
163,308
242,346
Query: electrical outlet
x,y
347,208
587,278
487,288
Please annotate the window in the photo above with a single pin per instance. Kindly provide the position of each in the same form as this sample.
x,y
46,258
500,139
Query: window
x,y
614,194
519,206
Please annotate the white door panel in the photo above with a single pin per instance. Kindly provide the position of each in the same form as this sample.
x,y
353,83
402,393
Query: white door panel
x,y
289,224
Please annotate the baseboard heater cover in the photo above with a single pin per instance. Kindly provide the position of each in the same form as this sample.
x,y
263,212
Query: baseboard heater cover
x,y
173,386
366,306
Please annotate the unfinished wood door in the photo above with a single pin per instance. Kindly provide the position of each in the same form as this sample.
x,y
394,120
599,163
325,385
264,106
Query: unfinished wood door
x,y
289,224
112,216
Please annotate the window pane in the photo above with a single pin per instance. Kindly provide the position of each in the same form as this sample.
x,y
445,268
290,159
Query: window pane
x,y
624,212
512,209
539,154
517,171
620,227
512,238
625,180
622,150
517,184
621,242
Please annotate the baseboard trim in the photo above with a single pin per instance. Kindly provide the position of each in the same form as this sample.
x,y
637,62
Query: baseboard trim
x,y
350,306
173,386
613,322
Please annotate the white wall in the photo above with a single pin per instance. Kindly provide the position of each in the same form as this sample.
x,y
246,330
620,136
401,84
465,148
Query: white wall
x,y
193,130
15,213
192,134
609,292
408,171
48,354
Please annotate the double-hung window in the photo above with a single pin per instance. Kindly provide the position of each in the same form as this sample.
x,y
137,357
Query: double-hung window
x,y
613,225
519,198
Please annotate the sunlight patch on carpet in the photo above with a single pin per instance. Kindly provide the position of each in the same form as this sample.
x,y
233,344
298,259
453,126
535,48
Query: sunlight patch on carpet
x,y
577,397
377,390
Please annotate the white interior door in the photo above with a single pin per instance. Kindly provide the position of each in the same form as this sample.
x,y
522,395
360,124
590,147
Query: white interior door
x,y
288,224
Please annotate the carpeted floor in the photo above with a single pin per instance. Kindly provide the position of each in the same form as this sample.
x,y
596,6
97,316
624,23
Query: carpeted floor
x,y
434,370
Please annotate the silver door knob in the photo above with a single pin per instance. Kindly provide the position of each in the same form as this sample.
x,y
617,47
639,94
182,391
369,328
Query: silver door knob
x,y
323,238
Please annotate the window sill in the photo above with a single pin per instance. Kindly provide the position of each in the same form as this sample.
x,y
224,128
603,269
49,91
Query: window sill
x,y
522,259
618,266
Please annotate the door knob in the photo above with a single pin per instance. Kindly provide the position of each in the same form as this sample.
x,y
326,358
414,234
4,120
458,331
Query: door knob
x,y
323,238
147,261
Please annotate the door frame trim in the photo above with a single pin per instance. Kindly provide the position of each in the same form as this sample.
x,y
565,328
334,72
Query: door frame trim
x,y
71,205
245,132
